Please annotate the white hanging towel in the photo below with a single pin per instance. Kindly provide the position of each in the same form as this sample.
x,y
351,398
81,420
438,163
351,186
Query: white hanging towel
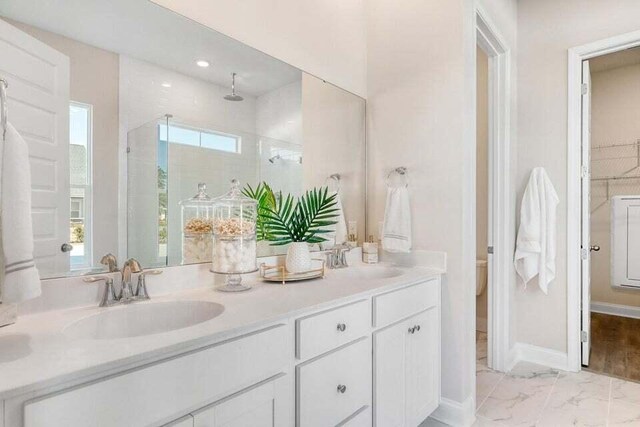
x,y
20,279
396,229
536,242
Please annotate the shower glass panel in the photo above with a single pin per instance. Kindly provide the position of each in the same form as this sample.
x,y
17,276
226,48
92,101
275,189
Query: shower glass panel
x,y
148,193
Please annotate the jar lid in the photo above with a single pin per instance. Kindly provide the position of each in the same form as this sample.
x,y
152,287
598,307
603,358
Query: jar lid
x,y
200,198
234,195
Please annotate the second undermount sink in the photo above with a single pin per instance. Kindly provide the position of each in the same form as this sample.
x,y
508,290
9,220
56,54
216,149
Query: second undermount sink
x,y
140,319
371,272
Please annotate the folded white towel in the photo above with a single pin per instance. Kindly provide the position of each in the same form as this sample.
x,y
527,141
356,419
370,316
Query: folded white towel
x,y
338,233
396,229
20,277
536,242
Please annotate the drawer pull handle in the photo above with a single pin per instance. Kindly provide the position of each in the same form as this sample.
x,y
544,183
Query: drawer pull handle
x,y
342,388
417,328
342,327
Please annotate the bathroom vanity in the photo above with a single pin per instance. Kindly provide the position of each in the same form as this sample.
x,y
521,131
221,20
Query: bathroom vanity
x,y
360,347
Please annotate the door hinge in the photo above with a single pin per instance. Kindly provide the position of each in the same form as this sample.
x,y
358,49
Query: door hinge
x,y
490,250
584,172
128,149
585,88
584,253
584,336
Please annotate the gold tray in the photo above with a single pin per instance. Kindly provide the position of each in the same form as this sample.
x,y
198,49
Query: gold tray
x,y
278,273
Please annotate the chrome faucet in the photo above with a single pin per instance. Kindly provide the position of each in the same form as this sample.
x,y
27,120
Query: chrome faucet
x,y
109,294
126,294
126,289
337,256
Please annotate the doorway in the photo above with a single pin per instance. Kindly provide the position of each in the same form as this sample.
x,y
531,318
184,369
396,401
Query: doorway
x,y
611,213
495,202
604,192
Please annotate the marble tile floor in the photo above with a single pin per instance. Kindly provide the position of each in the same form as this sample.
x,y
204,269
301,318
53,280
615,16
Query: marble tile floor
x,y
533,395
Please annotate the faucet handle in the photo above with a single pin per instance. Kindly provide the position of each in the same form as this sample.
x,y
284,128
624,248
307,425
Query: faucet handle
x,y
110,261
141,287
109,293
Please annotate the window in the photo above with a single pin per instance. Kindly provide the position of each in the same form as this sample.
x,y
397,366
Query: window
x,y
200,138
80,139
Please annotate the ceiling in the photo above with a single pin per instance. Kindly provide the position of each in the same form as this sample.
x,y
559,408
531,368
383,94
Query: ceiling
x,y
619,59
146,31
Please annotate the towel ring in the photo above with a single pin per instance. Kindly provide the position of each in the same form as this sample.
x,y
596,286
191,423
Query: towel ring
x,y
333,179
4,108
401,173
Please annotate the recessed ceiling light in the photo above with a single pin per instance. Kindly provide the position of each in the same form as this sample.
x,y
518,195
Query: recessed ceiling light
x,y
202,63
166,84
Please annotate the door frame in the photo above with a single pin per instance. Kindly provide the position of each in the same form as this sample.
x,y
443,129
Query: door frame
x,y
490,40
574,176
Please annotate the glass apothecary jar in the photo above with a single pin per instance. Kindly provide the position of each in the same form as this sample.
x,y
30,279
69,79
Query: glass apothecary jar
x,y
197,227
234,237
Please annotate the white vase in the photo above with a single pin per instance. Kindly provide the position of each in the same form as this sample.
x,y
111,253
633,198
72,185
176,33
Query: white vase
x,y
298,257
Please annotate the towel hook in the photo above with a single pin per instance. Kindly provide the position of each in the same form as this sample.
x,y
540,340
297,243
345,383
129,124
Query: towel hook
x,y
335,178
400,172
4,108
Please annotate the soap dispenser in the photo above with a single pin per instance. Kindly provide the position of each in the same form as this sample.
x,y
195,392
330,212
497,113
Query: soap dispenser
x,y
370,251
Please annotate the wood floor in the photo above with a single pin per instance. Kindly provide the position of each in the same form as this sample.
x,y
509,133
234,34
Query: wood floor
x,y
615,346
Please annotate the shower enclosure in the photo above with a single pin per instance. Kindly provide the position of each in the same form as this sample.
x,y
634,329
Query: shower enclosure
x,y
168,157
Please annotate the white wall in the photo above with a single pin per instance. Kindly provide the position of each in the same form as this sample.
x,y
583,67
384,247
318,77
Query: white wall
x,y
420,115
279,126
421,70
546,30
614,120
324,38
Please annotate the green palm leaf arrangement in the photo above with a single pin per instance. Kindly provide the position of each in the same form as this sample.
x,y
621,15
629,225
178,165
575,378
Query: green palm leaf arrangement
x,y
267,201
304,220
286,220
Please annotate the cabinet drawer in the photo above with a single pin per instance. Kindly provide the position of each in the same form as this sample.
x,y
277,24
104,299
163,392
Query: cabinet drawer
x,y
160,391
332,387
321,332
396,305
362,418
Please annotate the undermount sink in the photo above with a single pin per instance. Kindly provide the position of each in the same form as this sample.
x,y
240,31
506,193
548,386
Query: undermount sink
x,y
140,319
372,272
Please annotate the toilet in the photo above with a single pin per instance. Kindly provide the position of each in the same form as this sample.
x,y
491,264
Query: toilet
x,y
481,276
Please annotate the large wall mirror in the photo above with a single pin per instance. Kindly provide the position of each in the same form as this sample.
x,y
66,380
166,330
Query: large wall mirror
x,y
128,108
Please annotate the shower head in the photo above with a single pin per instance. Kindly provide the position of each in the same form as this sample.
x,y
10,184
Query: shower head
x,y
274,158
233,96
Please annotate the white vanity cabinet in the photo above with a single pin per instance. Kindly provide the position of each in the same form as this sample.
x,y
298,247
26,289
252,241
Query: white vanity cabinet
x,y
370,360
406,364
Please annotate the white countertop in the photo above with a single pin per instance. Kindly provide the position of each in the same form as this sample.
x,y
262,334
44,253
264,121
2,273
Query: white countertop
x,y
35,353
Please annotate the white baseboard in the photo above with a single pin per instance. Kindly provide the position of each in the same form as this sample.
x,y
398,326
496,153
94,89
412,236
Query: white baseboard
x,y
541,356
481,324
455,413
615,309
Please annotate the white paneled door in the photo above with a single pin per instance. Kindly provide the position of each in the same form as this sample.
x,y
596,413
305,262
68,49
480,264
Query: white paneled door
x,y
38,102
585,241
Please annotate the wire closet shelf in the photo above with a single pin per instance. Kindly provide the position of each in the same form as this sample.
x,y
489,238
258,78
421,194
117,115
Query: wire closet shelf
x,y
614,168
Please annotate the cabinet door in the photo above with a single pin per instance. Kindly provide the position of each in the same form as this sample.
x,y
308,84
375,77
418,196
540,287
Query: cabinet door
x,y
389,380
264,405
422,362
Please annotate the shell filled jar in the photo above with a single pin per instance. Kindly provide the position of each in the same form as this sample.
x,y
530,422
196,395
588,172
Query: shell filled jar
x,y
234,237
197,227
